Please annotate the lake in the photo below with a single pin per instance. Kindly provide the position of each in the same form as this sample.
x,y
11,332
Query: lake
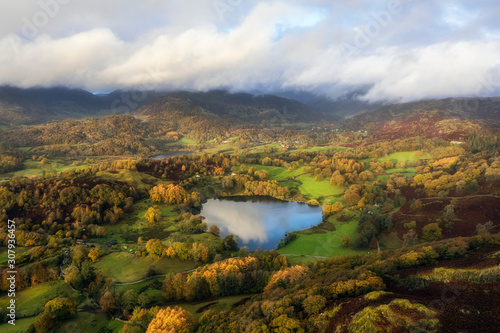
x,y
173,154
259,222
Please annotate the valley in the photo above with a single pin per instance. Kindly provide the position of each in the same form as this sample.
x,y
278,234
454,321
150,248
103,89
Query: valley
x,y
125,217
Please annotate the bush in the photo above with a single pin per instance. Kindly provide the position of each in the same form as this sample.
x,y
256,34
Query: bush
x,y
432,232
410,225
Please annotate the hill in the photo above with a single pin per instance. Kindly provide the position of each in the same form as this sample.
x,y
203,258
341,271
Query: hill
x,y
341,107
39,105
211,109
450,118
205,115
233,108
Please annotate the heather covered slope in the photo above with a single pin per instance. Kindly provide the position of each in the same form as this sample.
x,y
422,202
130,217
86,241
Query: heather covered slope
x,y
450,118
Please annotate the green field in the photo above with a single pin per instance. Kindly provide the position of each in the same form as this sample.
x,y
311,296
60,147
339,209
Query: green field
x,y
319,148
127,267
135,225
304,182
317,189
404,156
31,301
139,180
20,250
402,170
182,141
221,304
90,322
20,327
35,168
260,148
302,260
382,178
278,173
390,240
138,286
325,244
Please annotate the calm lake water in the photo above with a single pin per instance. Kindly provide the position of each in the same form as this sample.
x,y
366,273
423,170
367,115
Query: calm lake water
x,y
259,222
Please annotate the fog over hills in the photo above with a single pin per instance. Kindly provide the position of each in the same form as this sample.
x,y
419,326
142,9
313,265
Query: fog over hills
x,y
39,105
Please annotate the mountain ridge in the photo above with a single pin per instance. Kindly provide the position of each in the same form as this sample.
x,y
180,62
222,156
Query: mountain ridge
x,y
450,118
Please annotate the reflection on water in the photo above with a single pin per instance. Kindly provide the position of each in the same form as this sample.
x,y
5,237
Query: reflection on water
x,y
259,222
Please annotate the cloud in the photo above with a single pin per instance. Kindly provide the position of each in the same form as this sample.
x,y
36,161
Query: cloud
x,y
402,49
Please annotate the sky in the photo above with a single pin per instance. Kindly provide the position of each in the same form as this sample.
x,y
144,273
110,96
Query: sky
x,y
397,50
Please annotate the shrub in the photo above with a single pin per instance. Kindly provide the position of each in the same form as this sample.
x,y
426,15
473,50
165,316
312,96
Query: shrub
x,y
432,232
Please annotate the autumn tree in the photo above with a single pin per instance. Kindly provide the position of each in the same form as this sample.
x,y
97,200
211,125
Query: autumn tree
x,y
79,253
107,302
416,205
94,254
153,215
345,241
337,180
286,277
140,319
200,252
56,310
169,194
61,308
352,195
314,304
172,320
155,247
214,230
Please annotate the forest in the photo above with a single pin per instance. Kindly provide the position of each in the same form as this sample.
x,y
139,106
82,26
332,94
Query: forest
x,y
111,240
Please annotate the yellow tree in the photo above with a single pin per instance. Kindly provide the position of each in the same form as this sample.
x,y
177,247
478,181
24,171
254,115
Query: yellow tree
x,y
94,254
172,320
153,215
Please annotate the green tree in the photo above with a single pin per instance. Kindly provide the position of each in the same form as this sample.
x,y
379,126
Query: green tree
x,y
432,232
61,308
43,323
129,300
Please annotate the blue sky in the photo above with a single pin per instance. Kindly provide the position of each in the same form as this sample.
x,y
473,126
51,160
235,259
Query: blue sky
x,y
401,49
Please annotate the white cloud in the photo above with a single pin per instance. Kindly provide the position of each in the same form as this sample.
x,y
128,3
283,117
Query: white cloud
x,y
424,50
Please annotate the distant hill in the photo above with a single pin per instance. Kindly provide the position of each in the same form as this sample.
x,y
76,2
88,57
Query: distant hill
x,y
341,107
234,108
450,118
39,105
